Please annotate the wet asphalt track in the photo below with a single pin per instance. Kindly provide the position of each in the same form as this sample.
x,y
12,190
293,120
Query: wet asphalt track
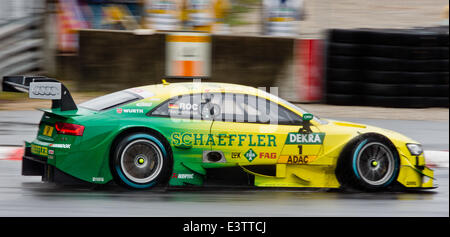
x,y
27,196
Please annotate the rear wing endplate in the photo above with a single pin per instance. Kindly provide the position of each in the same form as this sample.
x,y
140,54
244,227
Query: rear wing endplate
x,y
39,87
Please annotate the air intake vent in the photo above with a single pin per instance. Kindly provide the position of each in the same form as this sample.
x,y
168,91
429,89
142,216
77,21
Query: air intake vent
x,y
213,157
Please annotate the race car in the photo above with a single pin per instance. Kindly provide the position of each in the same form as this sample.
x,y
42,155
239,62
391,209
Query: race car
x,y
209,134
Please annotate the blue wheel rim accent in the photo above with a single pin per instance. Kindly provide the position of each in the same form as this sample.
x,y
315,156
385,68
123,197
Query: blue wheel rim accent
x,y
355,156
355,170
395,170
119,170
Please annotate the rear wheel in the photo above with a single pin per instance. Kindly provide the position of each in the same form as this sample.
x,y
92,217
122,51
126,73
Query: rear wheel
x,y
140,161
372,164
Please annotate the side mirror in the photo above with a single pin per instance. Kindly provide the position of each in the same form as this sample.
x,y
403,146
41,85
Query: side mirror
x,y
306,124
307,117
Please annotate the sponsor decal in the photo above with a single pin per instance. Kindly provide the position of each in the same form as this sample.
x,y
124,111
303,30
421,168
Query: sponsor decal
x,y
296,159
51,152
305,138
198,139
129,111
182,176
98,179
39,150
184,106
144,104
187,106
64,146
133,111
267,155
235,155
250,155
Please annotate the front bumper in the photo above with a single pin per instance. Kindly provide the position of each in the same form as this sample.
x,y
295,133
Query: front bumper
x,y
414,174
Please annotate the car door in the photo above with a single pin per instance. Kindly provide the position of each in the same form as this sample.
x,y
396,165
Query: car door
x,y
184,125
251,130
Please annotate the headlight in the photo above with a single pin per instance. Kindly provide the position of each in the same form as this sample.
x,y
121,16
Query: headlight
x,y
414,149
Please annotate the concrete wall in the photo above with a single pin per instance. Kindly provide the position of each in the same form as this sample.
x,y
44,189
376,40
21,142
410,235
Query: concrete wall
x,y
113,60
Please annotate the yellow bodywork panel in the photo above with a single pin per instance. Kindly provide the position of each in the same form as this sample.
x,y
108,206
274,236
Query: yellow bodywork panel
x,y
301,159
300,176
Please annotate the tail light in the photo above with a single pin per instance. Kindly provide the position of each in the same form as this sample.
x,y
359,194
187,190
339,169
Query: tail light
x,y
69,129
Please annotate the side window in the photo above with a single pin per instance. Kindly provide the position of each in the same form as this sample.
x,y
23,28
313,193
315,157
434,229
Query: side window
x,y
184,106
228,107
287,117
260,110
191,106
251,109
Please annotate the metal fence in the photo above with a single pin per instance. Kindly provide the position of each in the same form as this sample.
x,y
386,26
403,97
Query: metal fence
x,y
21,46
21,36
17,9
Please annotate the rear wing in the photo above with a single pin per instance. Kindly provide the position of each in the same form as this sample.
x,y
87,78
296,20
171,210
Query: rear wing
x,y
39,87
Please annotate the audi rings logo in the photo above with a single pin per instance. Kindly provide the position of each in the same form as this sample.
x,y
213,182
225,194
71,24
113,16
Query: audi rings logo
x,y
45,90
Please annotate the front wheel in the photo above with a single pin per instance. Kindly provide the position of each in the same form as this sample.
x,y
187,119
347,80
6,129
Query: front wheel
x,y
372,164
140,161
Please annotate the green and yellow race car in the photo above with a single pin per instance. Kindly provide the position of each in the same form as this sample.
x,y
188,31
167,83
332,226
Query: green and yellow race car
x,y
208,134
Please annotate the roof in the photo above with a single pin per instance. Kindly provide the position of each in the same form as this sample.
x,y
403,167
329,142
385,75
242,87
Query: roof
x,y
180,88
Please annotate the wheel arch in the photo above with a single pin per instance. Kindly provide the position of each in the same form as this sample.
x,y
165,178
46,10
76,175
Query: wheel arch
x,y
350,145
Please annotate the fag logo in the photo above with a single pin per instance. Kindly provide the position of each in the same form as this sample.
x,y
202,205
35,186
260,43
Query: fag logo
x,y
250,155
267,155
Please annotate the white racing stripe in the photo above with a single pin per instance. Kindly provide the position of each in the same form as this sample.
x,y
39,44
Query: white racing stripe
x,y
438,159
10,152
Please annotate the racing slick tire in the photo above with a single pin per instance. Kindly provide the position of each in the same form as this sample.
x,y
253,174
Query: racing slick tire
x,y
334,74
393,77
369,164
386,89
140,161
440,102
343,99
349,50
343,87
397,101
344,62
409,53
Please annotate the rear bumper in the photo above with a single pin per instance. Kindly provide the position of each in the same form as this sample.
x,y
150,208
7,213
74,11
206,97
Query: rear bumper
x,y
33,165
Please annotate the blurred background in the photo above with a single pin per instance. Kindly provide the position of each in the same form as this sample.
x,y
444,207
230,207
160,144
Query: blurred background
x,y
389,53
382,63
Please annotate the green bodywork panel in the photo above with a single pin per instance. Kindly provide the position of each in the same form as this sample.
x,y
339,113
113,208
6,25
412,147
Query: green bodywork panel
x,y
87,157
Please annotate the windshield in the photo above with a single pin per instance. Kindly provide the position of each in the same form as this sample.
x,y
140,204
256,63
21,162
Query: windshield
x,y
110,100
293,106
